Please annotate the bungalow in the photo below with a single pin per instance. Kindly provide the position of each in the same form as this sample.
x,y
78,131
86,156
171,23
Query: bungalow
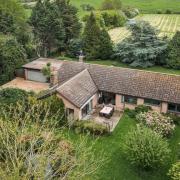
x,y
83,86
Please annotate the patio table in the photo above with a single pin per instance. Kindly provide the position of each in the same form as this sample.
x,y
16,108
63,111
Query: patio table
x,y
106,111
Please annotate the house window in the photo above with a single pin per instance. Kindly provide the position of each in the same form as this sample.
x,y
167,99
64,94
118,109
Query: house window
x,y
129,99
107,98
152,102
174,107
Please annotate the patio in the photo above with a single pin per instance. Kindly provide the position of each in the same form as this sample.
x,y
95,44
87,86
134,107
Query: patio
x,y
110,123
26,85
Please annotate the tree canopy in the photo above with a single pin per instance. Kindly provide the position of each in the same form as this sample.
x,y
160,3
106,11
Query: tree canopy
x,y
54,24
143,48
96,42
174,52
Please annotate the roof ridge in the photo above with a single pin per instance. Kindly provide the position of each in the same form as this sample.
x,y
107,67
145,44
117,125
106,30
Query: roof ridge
x,y
71,78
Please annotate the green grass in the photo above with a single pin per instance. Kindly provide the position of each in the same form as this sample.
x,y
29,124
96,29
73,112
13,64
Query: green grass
x,y
145,6
117,167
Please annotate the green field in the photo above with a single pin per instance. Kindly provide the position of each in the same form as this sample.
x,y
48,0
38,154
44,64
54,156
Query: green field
x,y
117,167
166,24
145,6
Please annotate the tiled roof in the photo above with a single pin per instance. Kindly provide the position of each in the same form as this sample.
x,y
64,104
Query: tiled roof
x,y
139,83
145,84
40,63
78,89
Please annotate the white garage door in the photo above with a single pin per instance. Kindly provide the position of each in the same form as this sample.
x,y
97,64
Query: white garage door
x,y
36,76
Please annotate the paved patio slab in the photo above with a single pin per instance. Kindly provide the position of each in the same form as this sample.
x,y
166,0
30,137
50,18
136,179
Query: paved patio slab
x,y
110,123
26,85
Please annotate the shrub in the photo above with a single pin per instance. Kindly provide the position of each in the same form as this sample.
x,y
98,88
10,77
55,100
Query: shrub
x,y
113,19
140,108
111,4
12,95
33,150
145,148
87,7
157,122
130,12
159,11
174,172
168,11
90,127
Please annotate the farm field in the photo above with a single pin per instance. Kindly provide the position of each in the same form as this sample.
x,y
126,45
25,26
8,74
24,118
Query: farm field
x,y
150,6
167,25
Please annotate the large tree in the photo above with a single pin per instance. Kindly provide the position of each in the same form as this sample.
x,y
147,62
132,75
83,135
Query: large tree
x,y
173,60
54,24
143,48
96,42
91,41
12,56
106,45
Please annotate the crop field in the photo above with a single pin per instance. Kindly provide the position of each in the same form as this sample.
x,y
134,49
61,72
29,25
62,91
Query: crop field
x,y
167,25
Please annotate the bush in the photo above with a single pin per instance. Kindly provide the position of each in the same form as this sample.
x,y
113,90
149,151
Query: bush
x,y
89,126
111,4
157,122
33,150
145,148
140,108
174,172
113,20
159,11
13,95
130,12
87,7
168,11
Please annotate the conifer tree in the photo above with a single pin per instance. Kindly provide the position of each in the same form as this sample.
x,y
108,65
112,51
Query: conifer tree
x,y
105,48
91,38
174,52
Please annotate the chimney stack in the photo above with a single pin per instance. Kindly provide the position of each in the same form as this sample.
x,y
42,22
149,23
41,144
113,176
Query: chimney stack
x,y
81,56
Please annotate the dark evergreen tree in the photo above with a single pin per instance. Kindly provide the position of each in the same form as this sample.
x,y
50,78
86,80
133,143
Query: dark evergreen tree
x,y
173,60
70,19
106,46
143,48
91,38
47,25
55,24
12,56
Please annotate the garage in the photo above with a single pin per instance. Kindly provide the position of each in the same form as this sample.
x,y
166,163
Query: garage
x,y
36,75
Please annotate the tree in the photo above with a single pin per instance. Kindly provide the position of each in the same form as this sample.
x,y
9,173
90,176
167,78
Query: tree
x,y
145,148
54,23
111,4
12,56
143,48
173,60
105,48
91,40
48,26
13,21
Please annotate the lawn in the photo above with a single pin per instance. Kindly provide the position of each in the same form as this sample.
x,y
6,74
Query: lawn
x,y
150,6
117,167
